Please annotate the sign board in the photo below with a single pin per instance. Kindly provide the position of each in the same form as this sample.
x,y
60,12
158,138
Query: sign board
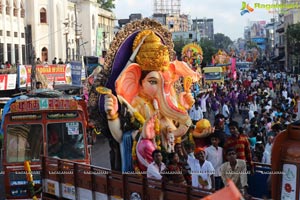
x,y
43,104
76,73
68,191
8,81
51,187
60,74
289,179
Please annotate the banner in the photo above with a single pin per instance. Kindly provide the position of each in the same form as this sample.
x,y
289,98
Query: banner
x,y
76,71
8,81
60,74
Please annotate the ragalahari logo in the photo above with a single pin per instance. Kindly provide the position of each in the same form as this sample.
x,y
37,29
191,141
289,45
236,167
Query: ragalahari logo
x,y
246,8
279,7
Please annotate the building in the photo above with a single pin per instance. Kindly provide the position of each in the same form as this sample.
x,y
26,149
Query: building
x,y
204,26
12,32
53,28
290,16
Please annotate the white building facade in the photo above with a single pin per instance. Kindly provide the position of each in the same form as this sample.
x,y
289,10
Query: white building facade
x,y
65,29
12,33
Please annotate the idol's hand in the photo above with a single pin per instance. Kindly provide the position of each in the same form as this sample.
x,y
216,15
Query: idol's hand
x,y
111,106
149,128
186,100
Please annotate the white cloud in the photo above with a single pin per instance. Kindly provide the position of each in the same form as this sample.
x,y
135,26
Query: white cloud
x,y
226,14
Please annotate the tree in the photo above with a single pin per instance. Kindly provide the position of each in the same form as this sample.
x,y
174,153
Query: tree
x,y
222,41
107,4
179,43
293,46
293,38
208,50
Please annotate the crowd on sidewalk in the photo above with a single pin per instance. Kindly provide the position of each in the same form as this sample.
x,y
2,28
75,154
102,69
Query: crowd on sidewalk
x,y
247,114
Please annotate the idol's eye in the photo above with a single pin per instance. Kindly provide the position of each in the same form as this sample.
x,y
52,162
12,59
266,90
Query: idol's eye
x,y
153,82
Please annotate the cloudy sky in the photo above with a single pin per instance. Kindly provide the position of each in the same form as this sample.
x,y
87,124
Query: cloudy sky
x,y
226,13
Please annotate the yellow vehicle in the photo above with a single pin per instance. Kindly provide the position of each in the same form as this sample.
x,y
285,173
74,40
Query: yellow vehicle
x,y
213,74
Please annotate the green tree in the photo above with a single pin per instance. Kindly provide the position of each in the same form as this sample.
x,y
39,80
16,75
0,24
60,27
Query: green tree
x,y
293,46
293,38
179,43
222,41
107,4
208,50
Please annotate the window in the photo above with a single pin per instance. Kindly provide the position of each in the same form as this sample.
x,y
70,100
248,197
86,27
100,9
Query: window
x,y
22,9
43,15
7,9
1,33
213,75
15,9
24,142
22,35
17,52
15,34
1,7
65,140
7,33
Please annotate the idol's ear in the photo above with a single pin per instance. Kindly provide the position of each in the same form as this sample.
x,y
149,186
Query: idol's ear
x,y
127,84
182,69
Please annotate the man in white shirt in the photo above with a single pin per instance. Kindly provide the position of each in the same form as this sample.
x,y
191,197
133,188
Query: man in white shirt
x,y
202,171
236,170
225,110
203,99
268,149
196,112
155,168
214,154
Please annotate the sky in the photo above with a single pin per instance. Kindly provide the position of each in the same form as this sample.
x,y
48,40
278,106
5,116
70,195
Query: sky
x,y
226,13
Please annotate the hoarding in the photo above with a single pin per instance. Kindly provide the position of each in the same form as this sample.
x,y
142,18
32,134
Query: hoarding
x,y
8,81
60,74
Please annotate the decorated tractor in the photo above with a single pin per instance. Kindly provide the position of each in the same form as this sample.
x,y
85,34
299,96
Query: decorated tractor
x,y
141,97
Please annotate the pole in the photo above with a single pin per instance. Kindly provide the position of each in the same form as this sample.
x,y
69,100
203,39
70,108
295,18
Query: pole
x,y
66,23
76,35
67,50
33,69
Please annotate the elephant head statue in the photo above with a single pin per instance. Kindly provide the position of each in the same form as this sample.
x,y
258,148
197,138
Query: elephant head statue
x,y
146,87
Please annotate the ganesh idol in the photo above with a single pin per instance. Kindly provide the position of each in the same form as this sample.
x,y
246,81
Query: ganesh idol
x,y
144,108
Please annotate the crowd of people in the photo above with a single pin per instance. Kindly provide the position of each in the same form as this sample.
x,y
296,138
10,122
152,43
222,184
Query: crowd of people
x,y
247,114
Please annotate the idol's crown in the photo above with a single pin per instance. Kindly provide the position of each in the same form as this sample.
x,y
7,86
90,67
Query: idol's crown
x,y
152,55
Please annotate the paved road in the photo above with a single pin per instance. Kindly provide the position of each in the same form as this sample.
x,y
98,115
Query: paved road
x,y
100,153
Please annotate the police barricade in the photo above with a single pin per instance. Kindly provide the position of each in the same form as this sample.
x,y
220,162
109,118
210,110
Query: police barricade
x,y
135,186
154,189
64,179
116,185
100,183
83,181
50,178
196,193
67,179
259,182
176,191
